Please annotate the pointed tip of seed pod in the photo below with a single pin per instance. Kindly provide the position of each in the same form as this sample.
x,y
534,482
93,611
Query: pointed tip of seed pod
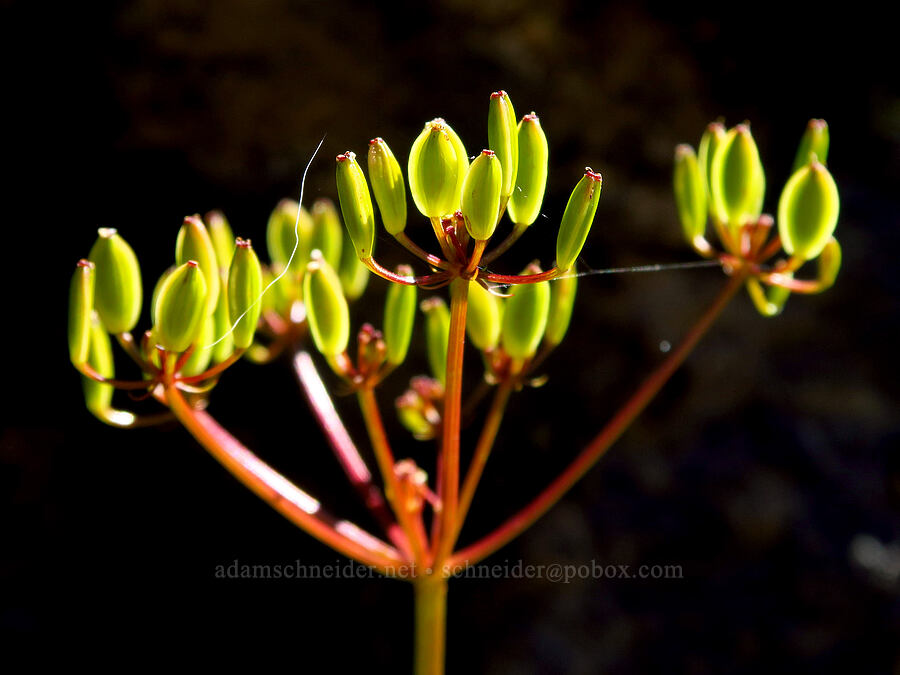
x,y
683,150
316,256
765,220
192,263
815,164
345,156
498,94
376,140
193,219
593,175
242,243
84,262
107,232
531,117
489,153
743,127
817,124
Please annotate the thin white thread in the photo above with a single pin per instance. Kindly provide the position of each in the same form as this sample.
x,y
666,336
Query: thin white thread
x,y
290,259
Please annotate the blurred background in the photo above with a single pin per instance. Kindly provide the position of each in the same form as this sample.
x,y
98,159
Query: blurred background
x,y
768,468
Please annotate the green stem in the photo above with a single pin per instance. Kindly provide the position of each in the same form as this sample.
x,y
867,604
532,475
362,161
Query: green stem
x,y
602,442
431,624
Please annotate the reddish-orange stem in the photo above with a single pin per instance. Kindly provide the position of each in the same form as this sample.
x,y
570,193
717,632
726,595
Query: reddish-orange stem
x,y
521,278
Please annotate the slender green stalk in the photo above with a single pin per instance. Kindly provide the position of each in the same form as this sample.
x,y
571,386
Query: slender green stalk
x,y
431,624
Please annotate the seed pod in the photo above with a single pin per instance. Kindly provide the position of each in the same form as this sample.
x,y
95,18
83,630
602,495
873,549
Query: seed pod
x,y
709,142
737,181
462,159
97,396
180,308
81,308
562,301
437,336
690,193
200,358
808,211
829,263
117,281
525,317
814,142
356,204
481,195
531,177
353,274
434,171
577,219
503,139
222,327
410,412
222,239
244,287
194,243
388,186
285,230
399,317
483,317
326,307
327,233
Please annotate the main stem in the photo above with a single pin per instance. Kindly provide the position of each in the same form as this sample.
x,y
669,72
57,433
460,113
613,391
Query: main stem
x,y
431,624
602,442
452,419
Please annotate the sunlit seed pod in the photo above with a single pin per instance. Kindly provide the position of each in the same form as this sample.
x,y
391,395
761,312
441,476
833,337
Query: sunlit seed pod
x,y
437,336
244,287
480,202
462,159
808,211
81,309
222,239
180,308
224,340
97,396
815,141
434,171
503,139
289,226
328,233
483,317
777,297
577,219
399,317
562,301
201,357
326,307
154,297
829,261
690,193
531,177
117,281
525,317
194,243
387,185
737,180
356,204
712,137
353,274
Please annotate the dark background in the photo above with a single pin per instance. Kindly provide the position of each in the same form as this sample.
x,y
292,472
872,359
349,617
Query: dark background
x,y
764,468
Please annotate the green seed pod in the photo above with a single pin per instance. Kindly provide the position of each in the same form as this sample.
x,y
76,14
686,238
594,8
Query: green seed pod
x,y
829,263
222,327
562,301
462,158
244,287
81,308
388,186
356,204
117,282
531,177
483,317
222,239
808,211
97,396
326,307
284,231
434,171
180,308
353,274
737,181
814,143
437,336
577,219
200,358
525,317
194,243
412,416
328,233
690,193
712,138
503,139
481,195
399,317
